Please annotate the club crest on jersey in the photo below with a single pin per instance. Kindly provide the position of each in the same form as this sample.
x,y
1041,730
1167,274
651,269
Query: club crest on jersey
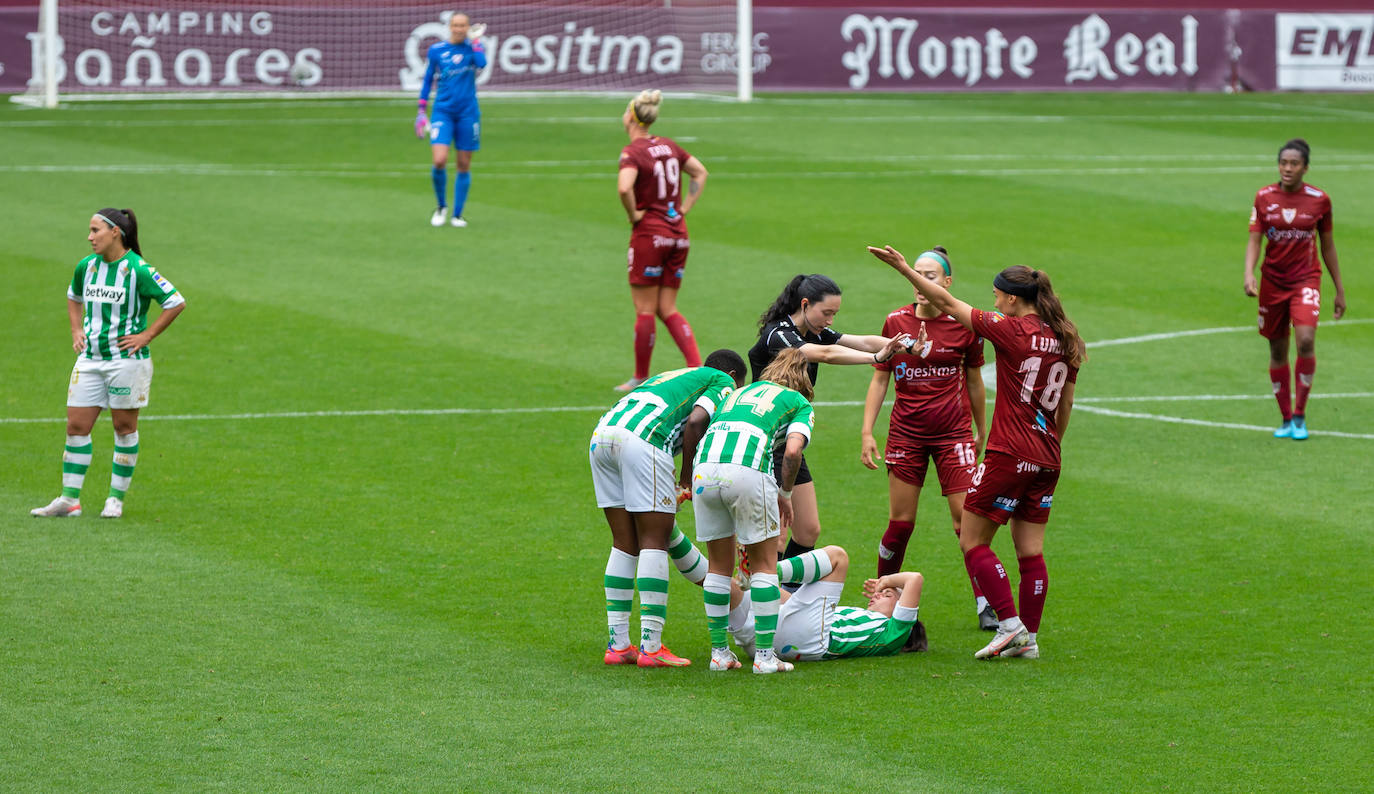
x,y
457,58
1289,214
96,293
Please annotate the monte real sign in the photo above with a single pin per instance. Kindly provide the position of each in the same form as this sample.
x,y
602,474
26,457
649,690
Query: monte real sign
x,y
303,46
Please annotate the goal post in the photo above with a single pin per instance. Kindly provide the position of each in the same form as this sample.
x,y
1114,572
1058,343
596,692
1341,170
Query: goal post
x,y
217,48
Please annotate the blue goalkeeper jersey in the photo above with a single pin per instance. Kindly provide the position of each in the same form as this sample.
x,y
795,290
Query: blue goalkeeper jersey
x,y
456,66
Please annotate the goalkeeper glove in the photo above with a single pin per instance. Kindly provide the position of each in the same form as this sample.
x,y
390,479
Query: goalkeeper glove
x,y
421,122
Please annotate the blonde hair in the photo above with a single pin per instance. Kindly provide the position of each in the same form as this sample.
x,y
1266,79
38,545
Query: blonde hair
x,y
644,108
789,369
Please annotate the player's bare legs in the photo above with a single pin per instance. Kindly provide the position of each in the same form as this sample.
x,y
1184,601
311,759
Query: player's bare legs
x,y
645,299
81,419
677,326
806,521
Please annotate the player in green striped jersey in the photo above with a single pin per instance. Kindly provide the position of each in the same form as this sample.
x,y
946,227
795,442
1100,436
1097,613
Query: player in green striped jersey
x,y
813,626
631,459
736,497
107,303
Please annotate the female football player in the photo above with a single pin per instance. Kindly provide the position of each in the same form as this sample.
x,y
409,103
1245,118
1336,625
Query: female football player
x,y
800,318
456,119
939,390
631,458
107,303
737,499
1293,216
1039,352
650,186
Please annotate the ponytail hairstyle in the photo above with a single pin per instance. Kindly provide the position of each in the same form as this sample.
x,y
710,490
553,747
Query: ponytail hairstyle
x,y
1034,286
1298,145
813,288
127,224
644,108
789,369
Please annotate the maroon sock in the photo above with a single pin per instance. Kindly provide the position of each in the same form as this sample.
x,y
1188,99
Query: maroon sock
x,y
1035,583
892,550
1306,367
682,334
992,578
1278,377
972,580
644,343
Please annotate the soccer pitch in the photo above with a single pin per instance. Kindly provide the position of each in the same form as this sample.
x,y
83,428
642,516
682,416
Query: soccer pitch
x,y
361,550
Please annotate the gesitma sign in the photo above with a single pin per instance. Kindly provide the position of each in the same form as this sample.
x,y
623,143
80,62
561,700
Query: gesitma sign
x,y
1330,52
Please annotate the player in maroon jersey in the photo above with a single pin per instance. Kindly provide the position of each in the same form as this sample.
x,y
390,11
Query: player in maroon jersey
x,y
939,390
1038,355
651,173
1293,215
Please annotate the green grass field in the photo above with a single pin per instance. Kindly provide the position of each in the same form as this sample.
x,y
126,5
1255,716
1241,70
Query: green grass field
x,y
361,551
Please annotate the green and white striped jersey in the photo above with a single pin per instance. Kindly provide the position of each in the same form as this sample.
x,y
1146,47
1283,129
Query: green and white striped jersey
x,y
116,296
855,631
753,420
657,410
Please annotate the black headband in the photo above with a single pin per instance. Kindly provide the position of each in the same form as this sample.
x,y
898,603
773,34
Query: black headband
x,y
1027,291
116,219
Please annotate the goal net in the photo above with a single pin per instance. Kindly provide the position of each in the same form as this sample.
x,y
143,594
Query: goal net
x,y
298,47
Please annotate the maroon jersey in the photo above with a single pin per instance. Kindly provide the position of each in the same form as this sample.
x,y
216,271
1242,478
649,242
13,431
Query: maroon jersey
x,y
658,186
1290,221
932,393
1031,374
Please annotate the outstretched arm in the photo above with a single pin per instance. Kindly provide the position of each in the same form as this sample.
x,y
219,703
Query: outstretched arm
x,y
938,296
842,354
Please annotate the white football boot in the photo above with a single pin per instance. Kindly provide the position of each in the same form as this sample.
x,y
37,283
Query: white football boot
x,y
61,507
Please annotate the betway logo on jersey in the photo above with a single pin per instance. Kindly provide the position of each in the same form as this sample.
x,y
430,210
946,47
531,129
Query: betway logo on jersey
x,y
96,293
1325,51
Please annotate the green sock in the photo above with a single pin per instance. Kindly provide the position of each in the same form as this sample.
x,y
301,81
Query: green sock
x,y
716,592
653,598
689,560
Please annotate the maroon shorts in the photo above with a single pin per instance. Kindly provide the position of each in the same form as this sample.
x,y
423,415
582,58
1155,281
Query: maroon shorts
x,y
1005,487
1279,308
657,259
954,462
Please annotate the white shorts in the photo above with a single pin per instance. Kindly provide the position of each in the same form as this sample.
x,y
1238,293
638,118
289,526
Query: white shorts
x,y
121,383
804,621
629,472
734,500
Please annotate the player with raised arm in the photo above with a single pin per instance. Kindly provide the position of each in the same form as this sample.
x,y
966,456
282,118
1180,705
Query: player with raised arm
x,y
1296,220
800,319
107,304
736,498
812,626
651,192
940,397
1039,352
456,120
631,458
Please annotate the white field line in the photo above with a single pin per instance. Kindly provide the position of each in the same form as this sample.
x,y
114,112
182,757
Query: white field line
x,y
601,174
893,118
1087,404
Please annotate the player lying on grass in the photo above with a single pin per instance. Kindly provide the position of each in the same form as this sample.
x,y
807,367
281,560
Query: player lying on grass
x,y
812,626
631,460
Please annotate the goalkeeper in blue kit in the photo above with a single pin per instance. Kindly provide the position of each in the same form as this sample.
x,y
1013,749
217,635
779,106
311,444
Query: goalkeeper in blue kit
x,y
455,120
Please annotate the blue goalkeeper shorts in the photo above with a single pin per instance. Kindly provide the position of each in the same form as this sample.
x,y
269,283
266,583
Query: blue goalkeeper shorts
x,y
463,130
